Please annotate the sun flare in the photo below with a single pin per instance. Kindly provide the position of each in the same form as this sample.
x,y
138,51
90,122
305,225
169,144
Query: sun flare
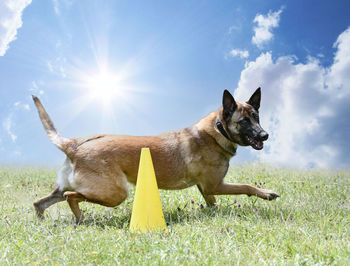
x,y
103,87
105,91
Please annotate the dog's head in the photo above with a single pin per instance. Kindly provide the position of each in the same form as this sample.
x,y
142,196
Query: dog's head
x,y
240,121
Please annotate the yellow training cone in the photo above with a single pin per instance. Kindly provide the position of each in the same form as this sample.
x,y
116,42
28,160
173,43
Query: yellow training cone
x,y
147,214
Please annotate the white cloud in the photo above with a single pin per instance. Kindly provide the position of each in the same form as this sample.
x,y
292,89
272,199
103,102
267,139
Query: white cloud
x,y
34,88
56,6
50,67
339,73
235,28
239,53
265,24
8,124
57,66
20,105
305,107
10,21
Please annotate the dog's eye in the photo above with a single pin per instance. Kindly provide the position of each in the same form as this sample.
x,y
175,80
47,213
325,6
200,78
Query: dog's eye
x,y
244,121
256,118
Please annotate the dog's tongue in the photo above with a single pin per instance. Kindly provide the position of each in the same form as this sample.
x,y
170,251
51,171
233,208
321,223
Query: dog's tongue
x,y
258,145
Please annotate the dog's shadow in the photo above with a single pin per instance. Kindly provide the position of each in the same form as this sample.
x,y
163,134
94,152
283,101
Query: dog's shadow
x,y
187,215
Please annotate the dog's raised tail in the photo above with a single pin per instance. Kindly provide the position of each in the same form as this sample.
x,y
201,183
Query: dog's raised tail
x,y
49,127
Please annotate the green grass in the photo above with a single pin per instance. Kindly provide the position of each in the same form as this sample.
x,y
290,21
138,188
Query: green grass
x,y
309,224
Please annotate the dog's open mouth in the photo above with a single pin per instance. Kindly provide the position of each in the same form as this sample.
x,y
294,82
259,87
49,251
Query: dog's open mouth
x,y
256,144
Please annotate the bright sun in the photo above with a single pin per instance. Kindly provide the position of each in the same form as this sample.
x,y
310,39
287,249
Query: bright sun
x,y
103,87
102,91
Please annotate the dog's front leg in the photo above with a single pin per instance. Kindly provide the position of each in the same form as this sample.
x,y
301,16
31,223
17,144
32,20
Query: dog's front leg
x,y
228,189
209,199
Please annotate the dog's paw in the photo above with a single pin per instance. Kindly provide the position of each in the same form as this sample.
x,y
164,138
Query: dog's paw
x,y
39,211
270,195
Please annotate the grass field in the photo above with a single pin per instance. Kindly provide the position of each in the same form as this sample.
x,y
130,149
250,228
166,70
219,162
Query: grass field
x,y
309,224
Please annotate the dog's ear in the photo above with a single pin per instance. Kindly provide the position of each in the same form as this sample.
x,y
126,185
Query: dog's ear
x,y
229,105
255,99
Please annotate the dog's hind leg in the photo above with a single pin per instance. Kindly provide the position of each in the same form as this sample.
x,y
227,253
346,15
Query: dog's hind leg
x,y
209,199
41,204
73,199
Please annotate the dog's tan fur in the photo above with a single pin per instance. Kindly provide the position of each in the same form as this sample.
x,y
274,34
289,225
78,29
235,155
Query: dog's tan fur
x,y
98,168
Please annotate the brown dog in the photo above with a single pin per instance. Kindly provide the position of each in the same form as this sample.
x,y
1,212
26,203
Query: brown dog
x,y
98,168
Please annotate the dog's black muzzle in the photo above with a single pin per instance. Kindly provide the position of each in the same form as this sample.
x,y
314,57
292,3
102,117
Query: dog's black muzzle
x,y
263,135
256,140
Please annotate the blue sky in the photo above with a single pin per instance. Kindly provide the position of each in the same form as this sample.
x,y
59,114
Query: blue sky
x,y
165,64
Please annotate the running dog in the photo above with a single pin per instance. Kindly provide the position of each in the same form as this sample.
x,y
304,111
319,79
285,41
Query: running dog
x,y
98,168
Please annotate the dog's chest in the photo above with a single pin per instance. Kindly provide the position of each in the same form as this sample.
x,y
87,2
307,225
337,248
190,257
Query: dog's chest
x,y
203,162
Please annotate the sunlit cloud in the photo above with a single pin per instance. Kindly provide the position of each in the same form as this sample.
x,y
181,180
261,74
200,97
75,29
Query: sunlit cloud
x,y
20,105
239,53
265,24
56,6
10,21
7,125
34,89
50,67
304,107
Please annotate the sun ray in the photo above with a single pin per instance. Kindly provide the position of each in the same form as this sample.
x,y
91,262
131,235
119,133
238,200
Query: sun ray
x,y
103,87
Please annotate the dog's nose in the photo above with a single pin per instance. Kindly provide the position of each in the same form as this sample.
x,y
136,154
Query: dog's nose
x,y
263,135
